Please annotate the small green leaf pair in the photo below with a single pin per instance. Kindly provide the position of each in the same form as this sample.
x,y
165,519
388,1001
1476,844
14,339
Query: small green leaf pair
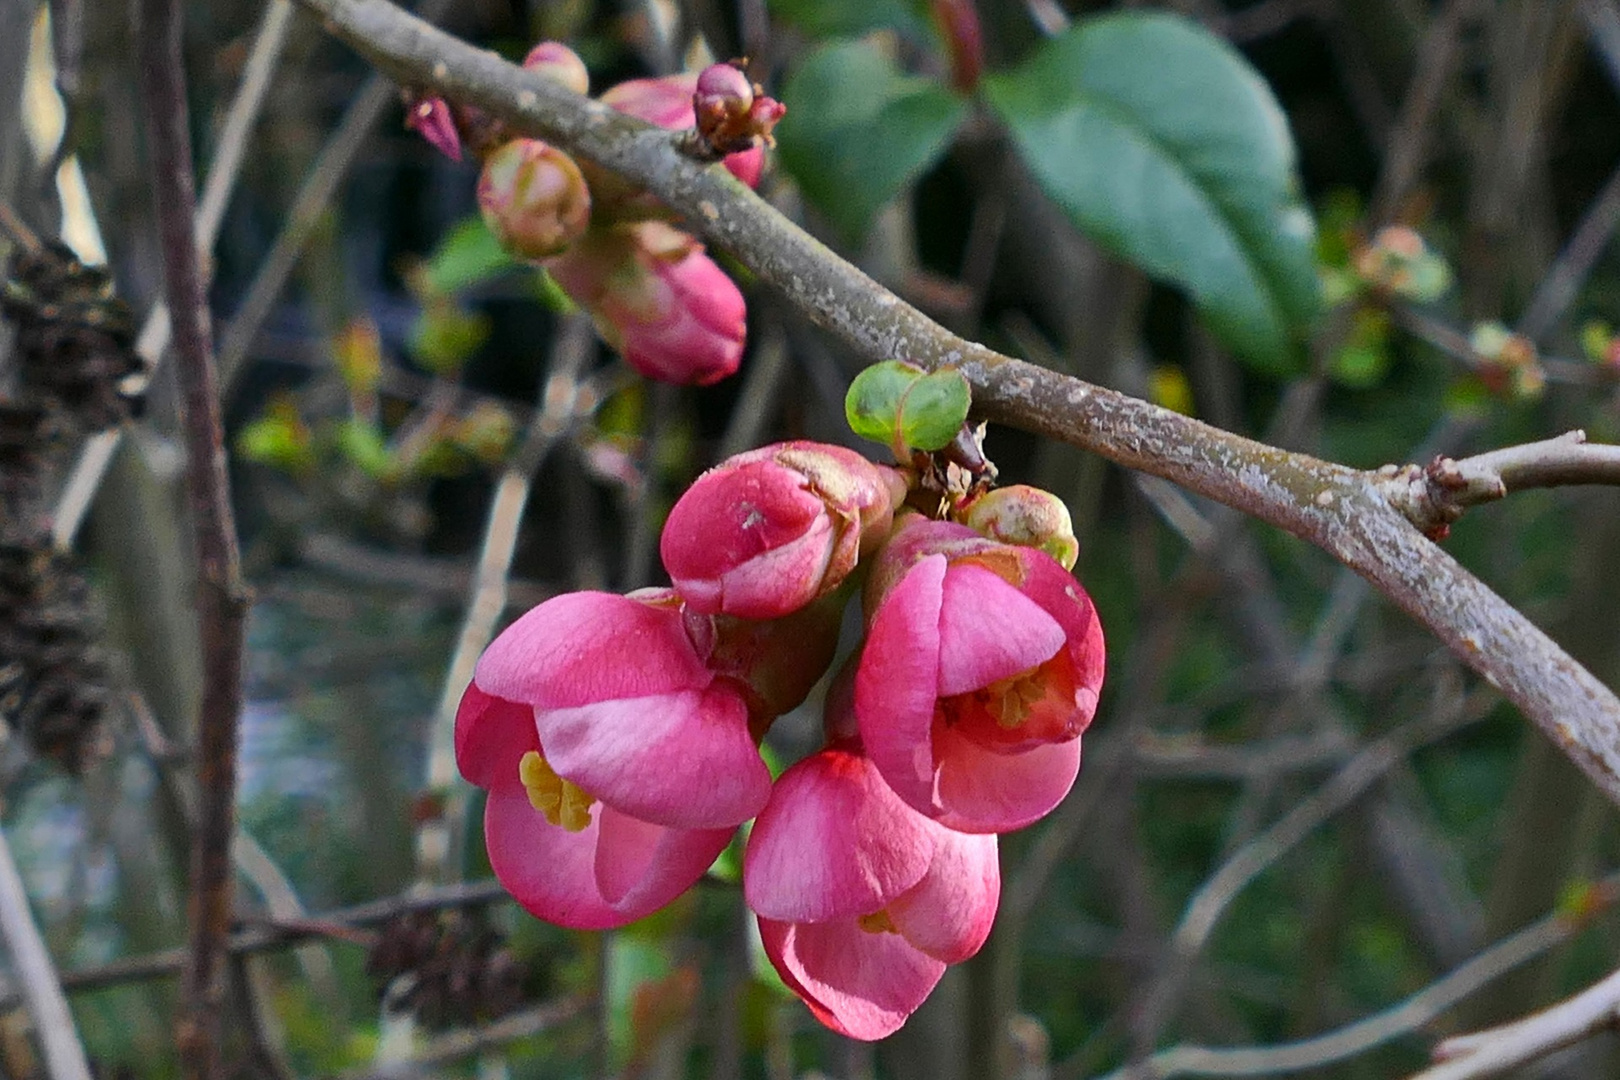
x,y
906,408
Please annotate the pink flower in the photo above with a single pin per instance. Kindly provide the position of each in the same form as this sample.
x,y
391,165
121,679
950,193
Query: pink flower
x,y
533,198
617,762
981,668
658,299
766,532
862,902
667,102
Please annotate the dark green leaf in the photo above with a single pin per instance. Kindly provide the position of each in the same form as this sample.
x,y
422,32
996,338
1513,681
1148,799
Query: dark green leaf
x,y
849,18
934,410
857,131
1164,145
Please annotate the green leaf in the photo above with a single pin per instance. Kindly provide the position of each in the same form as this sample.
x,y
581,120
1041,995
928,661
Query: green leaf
x,y
444,337
872,405
935,409
363,444
857,130
849,18
468,255
1162,144
897,404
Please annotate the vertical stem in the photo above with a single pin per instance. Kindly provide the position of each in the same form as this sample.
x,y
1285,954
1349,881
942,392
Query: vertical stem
x,y
42,990
222,599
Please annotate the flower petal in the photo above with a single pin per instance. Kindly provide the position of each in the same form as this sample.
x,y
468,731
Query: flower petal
x,y
989,631
835,842
1056,590
949,912
863,985
546,869
636,860
491,734
584,647
684,759
895,685
981,791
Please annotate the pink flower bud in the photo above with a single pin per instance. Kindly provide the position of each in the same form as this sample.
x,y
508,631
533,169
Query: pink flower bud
x,y
732,114
533,198
1026,516
658,299
958,25
766,532
431,119
981,669
560,64
667,102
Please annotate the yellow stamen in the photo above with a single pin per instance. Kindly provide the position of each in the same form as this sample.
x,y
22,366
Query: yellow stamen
x,y
561,802
877,923
1012,699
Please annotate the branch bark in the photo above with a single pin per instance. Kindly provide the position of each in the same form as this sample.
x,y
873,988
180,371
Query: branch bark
x,y
1344,511
222,599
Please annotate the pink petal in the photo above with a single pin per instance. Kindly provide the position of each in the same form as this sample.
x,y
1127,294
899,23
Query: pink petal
x,y
554,873
684,759
834,842
895,686
779,582
989,631
590,646
949,912
1056,590
860,984
981,791
636,860
491,734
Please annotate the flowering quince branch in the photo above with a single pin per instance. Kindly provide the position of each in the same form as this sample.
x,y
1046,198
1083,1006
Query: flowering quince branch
x,y
1347,512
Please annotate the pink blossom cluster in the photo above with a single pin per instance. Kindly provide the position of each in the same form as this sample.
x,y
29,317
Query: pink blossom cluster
x,y
618,736
653,292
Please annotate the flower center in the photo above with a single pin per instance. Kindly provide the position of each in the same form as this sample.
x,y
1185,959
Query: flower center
x,y
878,922
1019,712
561,802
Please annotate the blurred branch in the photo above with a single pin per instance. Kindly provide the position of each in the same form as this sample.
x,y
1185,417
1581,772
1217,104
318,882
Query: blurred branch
x,y
47,1008
222,601
467,1042
1435,495
1402,1019
1342,510
79,491
561,400
1496,1050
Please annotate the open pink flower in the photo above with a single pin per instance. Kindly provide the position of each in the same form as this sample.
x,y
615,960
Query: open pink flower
x,y
981,668
862,902
766,532
658,299
617,763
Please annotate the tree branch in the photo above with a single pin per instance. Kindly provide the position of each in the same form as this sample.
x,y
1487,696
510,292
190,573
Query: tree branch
x,y
1435,495
1344,511
1496,1050
222,599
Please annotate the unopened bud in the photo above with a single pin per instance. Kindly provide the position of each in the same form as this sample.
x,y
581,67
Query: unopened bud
x,y
431,119
1026,516
733,115
533,198
560,64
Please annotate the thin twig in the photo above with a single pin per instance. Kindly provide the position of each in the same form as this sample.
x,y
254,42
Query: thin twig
x,y
467,1042
1400,1019
1579,255
41,989
1435,495
1496,1050
95,457
560,400
222,601
1342,510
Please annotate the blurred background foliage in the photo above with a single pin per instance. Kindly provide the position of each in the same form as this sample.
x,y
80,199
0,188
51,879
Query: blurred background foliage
x,y
1125,192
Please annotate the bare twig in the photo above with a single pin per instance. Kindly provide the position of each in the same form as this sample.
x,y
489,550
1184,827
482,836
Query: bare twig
x,y
1399,1020
1579,255
1435,495
96,455
1342,510
1496,1050
222,598
47,1008
469,1041
559,404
